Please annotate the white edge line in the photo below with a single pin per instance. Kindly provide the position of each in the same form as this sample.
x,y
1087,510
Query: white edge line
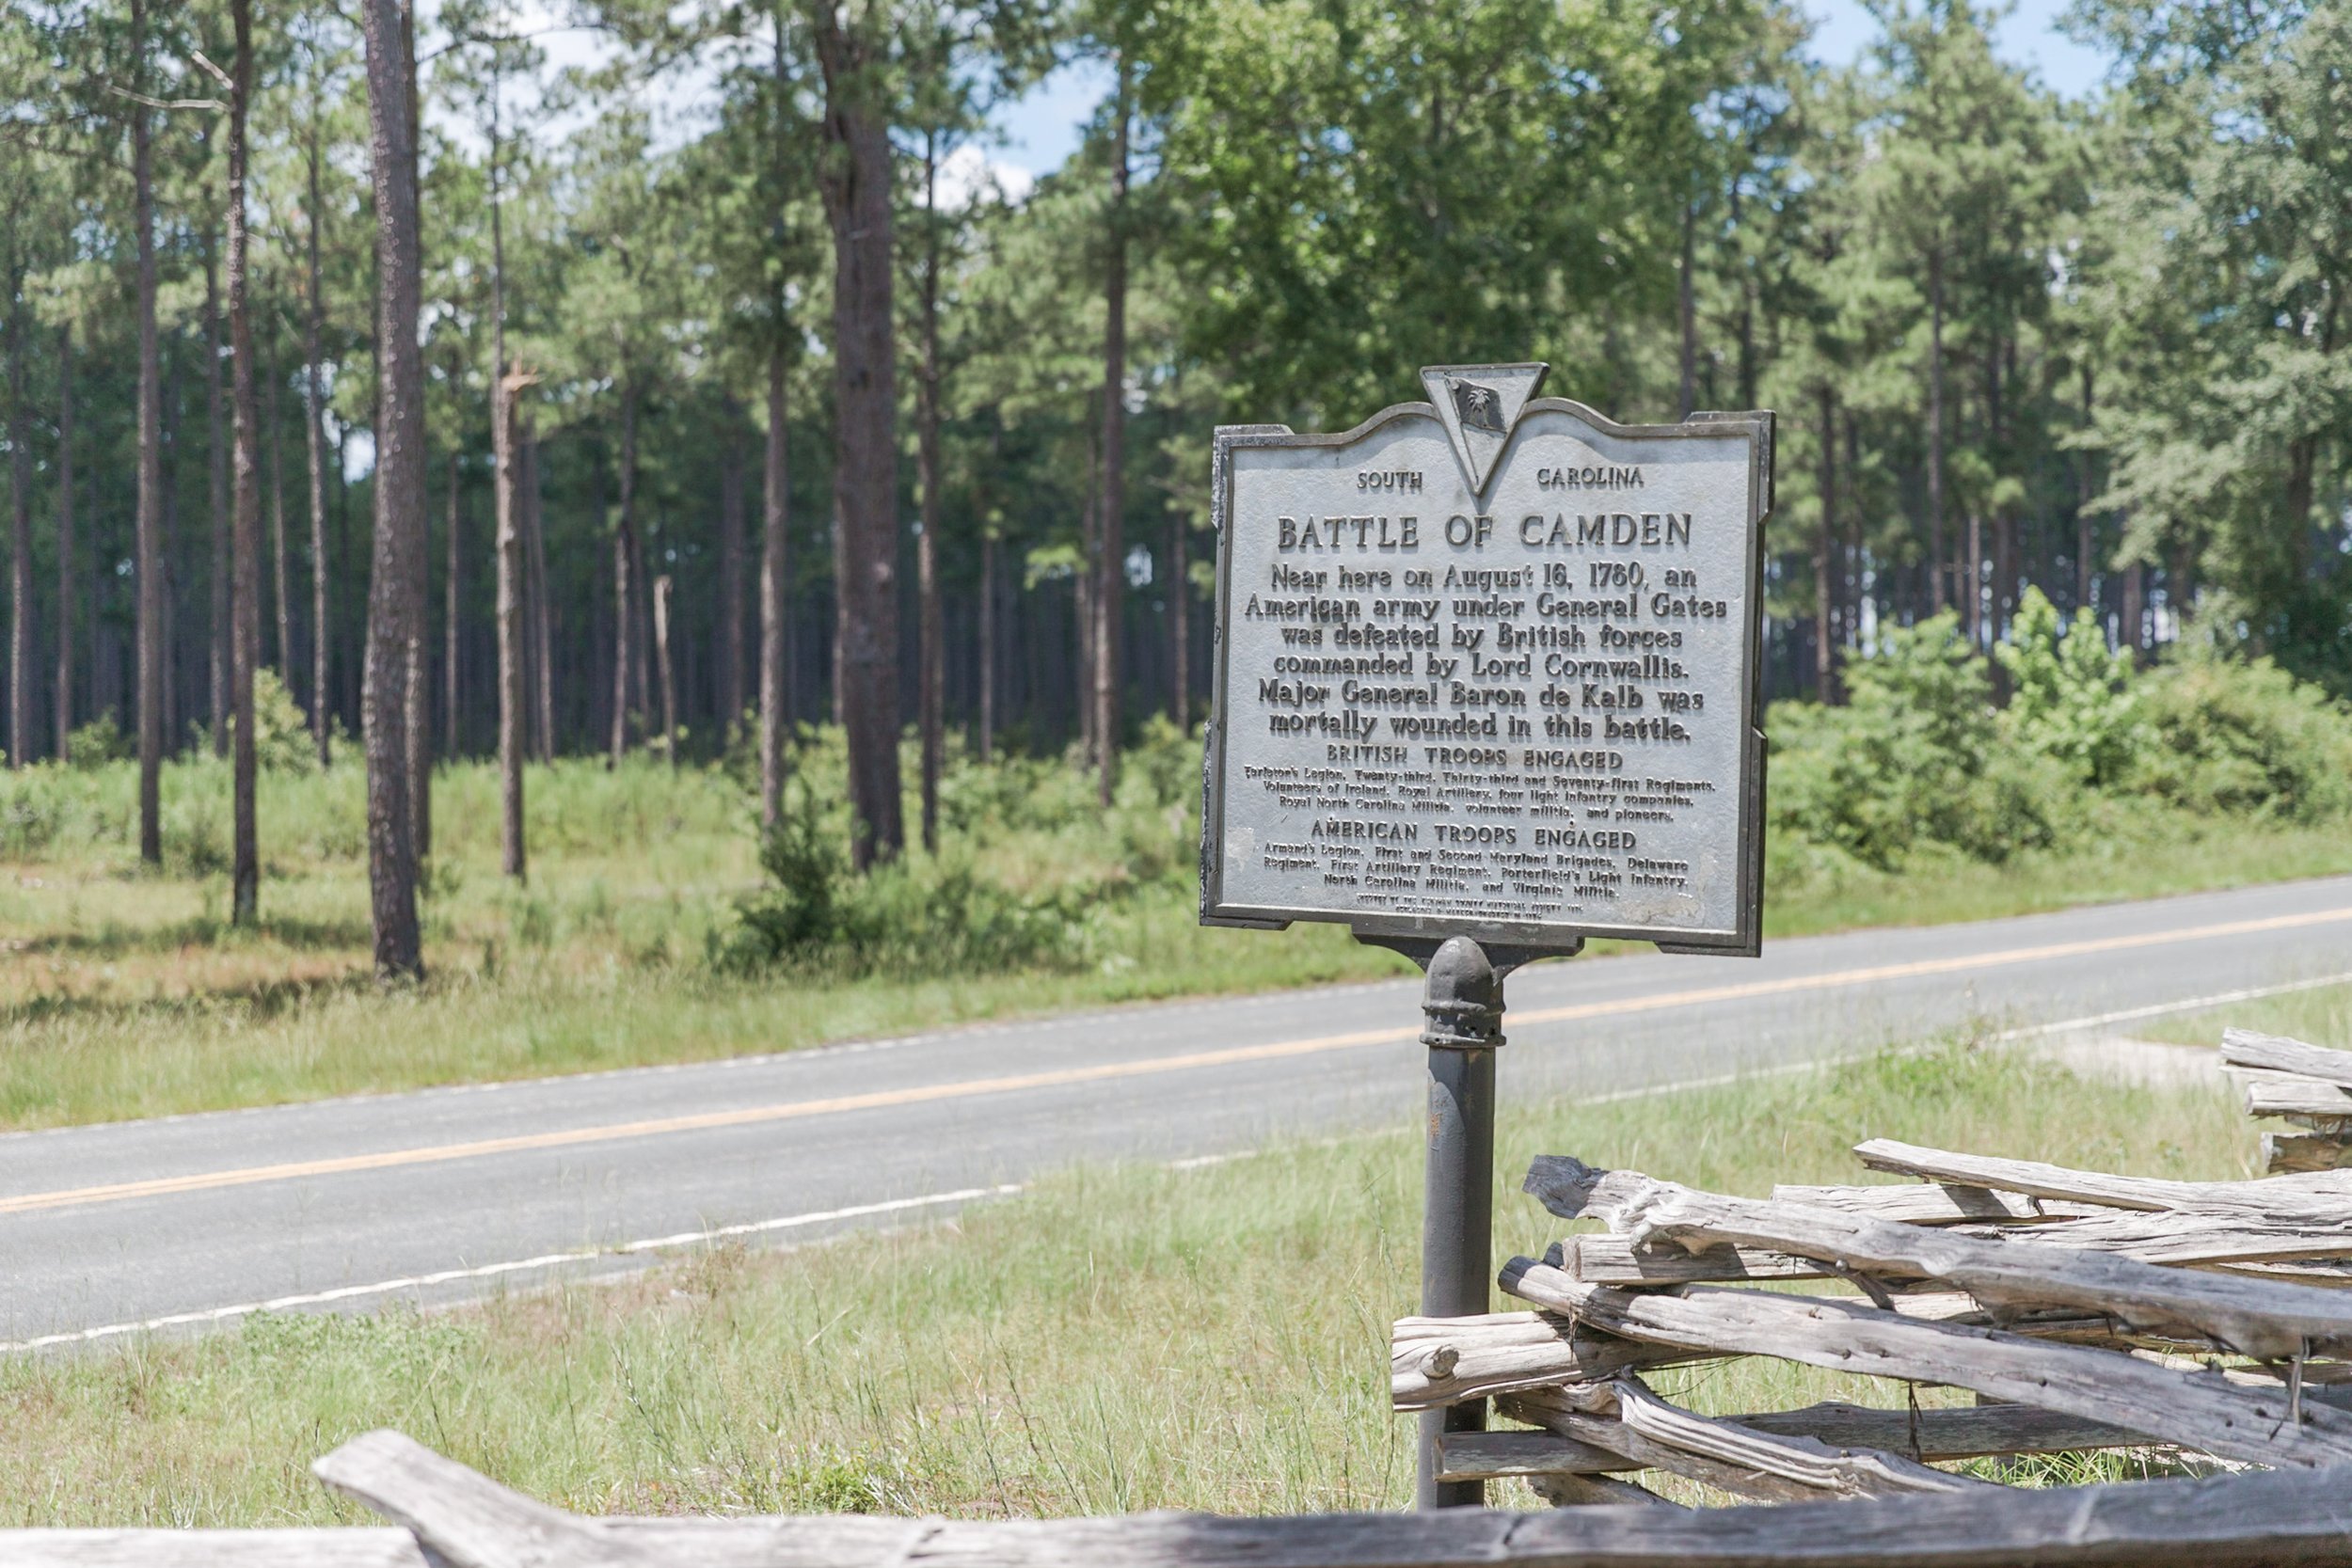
x,y
522,1265
966,1195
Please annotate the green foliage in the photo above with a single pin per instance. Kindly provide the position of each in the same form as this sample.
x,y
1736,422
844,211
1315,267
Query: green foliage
x,y
1910,760
2244,738
1032,867
1921,764
98,742
2071,699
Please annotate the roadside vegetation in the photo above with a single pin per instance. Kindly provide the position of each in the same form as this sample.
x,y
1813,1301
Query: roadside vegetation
x,y
1114,1339
657,926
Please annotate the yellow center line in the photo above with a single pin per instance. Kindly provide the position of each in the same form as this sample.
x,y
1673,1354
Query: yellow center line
x,y
167,1186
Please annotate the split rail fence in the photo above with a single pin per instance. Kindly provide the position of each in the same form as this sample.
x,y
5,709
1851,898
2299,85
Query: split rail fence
x,y
2205,1326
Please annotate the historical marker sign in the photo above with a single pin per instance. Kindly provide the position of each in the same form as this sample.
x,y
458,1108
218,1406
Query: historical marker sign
x,y
1487,665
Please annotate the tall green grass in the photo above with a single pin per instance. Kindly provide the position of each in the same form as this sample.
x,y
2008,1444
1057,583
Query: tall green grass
x,y
1118,1338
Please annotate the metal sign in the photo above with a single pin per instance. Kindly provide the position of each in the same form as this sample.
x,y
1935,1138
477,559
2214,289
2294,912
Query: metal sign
x,y
1489,666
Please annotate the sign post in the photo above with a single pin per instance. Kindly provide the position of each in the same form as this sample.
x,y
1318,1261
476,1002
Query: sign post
x,y
1487,685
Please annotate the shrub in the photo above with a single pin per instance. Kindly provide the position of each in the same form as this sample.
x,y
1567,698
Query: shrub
x,y
2070,700
2244,738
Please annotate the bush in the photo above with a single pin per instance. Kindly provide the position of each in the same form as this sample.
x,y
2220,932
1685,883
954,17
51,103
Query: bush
x,y
916,914
2244,738
1920,762
1912,759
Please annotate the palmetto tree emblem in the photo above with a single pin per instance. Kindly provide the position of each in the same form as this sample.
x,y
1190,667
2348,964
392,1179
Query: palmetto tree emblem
x,y
1477,407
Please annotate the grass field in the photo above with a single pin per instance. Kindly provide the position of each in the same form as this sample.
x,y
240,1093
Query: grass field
x,y
123,992
1116,1339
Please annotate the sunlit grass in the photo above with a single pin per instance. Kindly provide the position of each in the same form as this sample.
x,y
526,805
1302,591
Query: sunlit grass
x,y
1117,1338
125,992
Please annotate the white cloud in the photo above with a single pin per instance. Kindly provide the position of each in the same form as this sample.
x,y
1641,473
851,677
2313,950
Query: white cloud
x,y
969,174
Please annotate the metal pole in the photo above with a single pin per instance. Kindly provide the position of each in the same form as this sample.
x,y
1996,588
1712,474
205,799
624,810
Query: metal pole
x,y
1463,1002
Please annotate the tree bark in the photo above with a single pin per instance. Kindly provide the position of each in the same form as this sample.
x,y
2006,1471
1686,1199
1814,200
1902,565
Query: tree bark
x,y
1935,432
542,633
314,434
856,180
505,388
1826,573
245,640
395,585
731,576
2083,491
450,561
284,622
1686,308
1082,589
774,582
220,522
1110,596
65,536
931,673
510,619
624,558
986,741
151,485
1179,625
661,658
21,552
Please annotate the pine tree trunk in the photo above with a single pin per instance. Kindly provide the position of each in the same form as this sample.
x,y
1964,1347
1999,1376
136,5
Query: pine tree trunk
x,y
219,522
2083,492
932,667
314,436
667,677
986,745
1938,565
395,585
21,553
623,563
65,536
1827,578
731,577
855,177
506,392
1082,587
542,632
774,582
449,559
1110,598
1686,308
244,640
151,486
284,624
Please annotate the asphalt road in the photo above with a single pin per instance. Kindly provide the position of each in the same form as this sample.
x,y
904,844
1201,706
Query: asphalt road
x,y
192,1220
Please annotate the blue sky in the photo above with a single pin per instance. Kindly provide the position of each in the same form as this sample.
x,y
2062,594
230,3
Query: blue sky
x,y
1041,129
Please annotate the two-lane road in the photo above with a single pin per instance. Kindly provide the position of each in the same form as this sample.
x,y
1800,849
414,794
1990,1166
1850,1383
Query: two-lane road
x,y
440,1194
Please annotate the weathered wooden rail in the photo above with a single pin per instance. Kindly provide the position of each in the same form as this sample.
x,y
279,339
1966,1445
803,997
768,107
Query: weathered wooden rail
x,y
2200,1319
451,1517
2207,1322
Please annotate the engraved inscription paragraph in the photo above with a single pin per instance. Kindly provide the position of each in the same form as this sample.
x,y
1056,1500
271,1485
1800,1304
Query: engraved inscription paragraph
x,y
1488,664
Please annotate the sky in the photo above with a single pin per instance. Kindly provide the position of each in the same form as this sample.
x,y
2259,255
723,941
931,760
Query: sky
x,y
1042,128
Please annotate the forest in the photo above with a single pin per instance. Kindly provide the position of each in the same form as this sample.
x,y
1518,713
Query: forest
x,y
367,367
